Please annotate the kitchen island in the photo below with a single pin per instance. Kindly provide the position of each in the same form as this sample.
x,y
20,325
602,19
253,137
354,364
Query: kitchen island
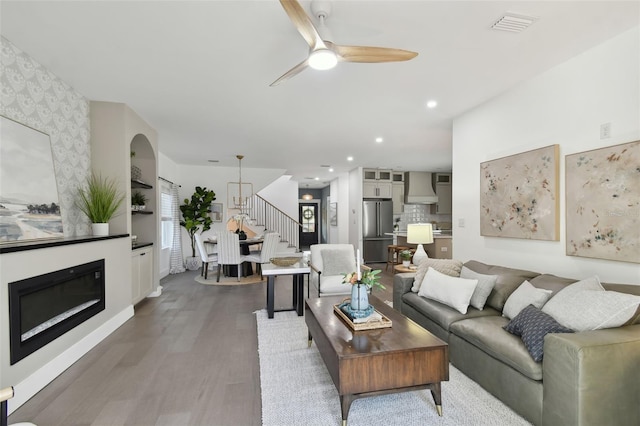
x,y
441,248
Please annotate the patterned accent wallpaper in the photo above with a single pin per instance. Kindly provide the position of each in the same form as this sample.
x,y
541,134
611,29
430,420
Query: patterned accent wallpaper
x,y
35,97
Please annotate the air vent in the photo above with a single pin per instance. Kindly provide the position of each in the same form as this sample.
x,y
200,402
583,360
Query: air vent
x,y
513,23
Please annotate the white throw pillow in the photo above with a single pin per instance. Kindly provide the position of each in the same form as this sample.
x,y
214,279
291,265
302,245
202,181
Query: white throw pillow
x,y
483,289
586,305
452,291
524,296
446,266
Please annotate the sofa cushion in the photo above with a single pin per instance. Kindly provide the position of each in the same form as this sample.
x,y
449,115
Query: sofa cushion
x,y
508,280
487,334
446,266
452,291
483,289
551,282
531,324
525,295
442,314
586,305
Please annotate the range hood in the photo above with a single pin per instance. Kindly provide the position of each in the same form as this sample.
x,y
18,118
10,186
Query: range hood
x,y
418,188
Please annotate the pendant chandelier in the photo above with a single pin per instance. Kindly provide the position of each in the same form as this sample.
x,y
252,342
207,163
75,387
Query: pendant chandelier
x,y
239,193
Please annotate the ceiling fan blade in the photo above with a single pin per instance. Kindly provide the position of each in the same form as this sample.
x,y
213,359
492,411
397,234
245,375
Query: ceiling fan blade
x,y
368,54
303,23
292,72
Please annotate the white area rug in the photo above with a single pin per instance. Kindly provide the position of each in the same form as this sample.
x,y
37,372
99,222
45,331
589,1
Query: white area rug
x,y
297,389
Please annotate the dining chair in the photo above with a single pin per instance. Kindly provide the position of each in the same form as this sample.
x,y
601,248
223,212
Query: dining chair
x,y
269,248
204,256
229,252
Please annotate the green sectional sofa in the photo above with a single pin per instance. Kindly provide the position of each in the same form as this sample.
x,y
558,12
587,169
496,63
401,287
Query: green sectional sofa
x,y
585,378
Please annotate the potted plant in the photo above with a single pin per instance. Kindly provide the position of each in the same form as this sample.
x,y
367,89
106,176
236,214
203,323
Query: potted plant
x,y
99,199
406,255
195,218
138,201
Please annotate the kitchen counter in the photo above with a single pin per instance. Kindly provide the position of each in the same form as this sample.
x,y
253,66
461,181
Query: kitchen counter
x,y
441,247
436,234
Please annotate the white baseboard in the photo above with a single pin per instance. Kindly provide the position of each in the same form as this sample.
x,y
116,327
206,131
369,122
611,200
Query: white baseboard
x,y
156,293
33,384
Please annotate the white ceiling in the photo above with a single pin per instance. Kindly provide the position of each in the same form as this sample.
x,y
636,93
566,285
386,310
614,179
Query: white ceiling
x,y
199,72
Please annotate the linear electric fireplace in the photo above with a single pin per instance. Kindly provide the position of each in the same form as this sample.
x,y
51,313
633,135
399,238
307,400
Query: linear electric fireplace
x,y
45,307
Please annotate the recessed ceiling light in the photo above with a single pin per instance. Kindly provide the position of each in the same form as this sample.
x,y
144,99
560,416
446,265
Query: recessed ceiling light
x,y
379,140
331,169
432,104
316,178
349,158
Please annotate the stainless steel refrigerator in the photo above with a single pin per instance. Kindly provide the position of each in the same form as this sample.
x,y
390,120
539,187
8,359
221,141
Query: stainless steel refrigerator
x,y
377,220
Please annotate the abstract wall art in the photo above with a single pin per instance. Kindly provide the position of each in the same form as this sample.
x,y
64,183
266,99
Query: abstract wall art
x,y
519,195
603,203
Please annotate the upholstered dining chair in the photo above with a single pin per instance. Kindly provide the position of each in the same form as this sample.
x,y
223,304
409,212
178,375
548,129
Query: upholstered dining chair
x,y
204,256
229,252
269,247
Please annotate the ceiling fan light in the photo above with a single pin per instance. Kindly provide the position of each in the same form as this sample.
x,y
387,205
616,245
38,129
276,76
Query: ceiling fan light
x,y
322,59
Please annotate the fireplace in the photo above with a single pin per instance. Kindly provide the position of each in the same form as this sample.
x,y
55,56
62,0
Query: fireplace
x,y
45,307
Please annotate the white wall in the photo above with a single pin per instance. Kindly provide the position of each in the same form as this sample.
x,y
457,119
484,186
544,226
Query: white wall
x,y
355,208
565,105
283,193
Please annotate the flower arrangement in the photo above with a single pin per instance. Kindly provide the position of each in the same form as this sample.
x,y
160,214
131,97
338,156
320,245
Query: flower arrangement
x,y
369,278
240,218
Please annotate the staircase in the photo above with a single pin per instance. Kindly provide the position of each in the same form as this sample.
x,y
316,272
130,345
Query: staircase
x,y
270,218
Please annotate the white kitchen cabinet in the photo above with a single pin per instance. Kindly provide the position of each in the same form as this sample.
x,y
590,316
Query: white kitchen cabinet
x,y
442,187
141,273
377,189
381,175
398,197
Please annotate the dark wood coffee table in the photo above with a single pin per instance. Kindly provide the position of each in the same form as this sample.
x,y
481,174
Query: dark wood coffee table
x,y
405,357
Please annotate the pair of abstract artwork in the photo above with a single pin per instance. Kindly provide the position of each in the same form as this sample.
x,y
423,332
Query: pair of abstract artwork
x,y
519,198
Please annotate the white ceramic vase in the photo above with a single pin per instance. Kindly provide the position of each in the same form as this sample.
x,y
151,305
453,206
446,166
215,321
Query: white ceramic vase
x,y
100,229
192,263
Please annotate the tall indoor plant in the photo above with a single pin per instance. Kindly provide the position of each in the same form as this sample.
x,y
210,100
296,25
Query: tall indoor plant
x,y
195,217
99,199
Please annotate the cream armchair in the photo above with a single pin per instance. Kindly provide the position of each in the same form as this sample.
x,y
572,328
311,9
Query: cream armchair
x,y
329,263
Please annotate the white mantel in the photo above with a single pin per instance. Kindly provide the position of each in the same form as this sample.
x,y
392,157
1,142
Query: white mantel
x,y
34,372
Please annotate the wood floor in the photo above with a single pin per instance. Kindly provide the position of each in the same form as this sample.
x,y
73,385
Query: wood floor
x,y
188,357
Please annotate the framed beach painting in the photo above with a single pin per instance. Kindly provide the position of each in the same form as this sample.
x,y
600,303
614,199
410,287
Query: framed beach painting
x,y
603,203
29,207
519,195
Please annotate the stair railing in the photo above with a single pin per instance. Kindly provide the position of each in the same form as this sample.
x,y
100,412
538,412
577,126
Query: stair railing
x,y
273,219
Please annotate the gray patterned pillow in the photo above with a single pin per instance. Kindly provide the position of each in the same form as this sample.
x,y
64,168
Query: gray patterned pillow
x,y
445,266
586,305
337,262
531,324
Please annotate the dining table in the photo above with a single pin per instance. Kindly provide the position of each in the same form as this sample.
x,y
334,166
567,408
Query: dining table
x,y
231,270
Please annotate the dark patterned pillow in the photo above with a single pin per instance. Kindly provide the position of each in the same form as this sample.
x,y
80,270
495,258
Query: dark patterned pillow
x,y
531,324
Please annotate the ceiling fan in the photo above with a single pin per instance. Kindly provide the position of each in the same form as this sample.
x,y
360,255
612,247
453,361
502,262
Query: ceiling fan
x,y
324,54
